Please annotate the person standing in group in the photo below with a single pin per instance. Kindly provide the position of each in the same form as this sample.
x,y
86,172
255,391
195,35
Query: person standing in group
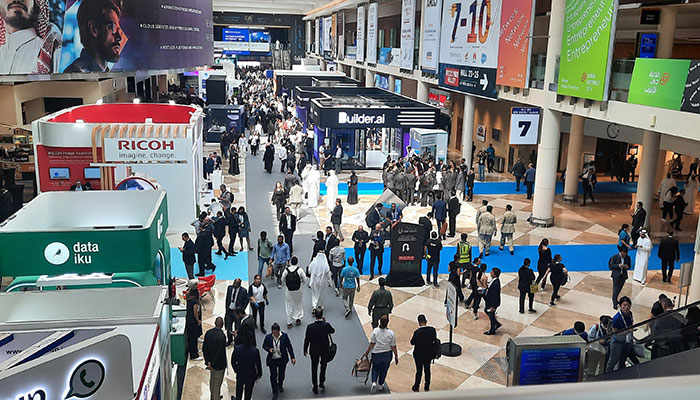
x,y
439,211
487,228
188,257
376,250
618,264
337,262
508,228
470,184
518,171
526,277
381,303
280,257
667,201
287,226
236,298
282,155
233,227
337,219
638,218
587,181
246,363
641,260
668,251
479,284
349,283
679,206
203,246
557,275
423,341
529,180
360,239
454,276
258,300
691,192
296,198
543,261
316,343
432,250
338,158
453,209
621,343
382,344
293,278
624,238
279,352
320,278
243,227
214,350
220,233
193,322
493,300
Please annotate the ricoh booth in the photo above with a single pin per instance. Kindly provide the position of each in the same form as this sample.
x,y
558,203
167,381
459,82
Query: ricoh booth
x,y
125,147
370,124
109,331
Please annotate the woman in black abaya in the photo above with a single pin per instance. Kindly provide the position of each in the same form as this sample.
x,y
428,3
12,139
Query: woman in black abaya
x,y
233,167
269,157
352,188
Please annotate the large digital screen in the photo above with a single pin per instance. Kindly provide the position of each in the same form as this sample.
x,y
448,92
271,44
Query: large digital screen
x,y
61,36
259,41
544,366
236,39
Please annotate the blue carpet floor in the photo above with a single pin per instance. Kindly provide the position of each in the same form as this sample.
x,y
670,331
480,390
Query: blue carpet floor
x,y
584,258
234,267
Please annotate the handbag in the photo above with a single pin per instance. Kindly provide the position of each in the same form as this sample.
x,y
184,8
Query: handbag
x,y
534,288
443,228
362,365
329,355
268,272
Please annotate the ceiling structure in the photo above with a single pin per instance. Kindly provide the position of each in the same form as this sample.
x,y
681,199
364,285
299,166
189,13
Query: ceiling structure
x,y
268,6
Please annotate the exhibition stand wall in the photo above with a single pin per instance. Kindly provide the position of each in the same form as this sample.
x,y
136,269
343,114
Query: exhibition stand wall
x,y
103,144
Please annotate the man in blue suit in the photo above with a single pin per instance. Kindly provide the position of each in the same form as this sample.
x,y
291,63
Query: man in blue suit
x,y
440,213
618,264
279,352
245,361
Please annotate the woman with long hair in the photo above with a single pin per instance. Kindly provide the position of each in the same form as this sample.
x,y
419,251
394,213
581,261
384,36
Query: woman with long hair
x,y
352,188
243,227
624,238
258,300
279,198
545,258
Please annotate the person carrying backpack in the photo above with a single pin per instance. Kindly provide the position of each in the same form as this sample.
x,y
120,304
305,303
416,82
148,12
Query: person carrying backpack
x,y
293,278
426,342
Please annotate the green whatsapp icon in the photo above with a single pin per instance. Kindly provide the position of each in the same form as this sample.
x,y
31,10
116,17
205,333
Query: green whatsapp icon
x,y
86,379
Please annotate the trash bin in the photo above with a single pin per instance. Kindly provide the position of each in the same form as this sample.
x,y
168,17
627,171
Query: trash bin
x,y
499,163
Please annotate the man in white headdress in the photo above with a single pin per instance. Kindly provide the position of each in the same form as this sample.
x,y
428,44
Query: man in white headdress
x,y
320,278
305,181
293,278
314,186
331,190
641,260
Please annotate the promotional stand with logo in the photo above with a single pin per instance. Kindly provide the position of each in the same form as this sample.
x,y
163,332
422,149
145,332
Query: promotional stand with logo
x,y
369,123
103,145
430,141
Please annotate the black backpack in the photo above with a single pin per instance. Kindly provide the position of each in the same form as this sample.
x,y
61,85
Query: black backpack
x,y
437,349
293,280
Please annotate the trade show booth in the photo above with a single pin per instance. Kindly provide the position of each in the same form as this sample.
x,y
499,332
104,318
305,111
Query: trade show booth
x,y
370,124
430,141
284,81
100,146
220,118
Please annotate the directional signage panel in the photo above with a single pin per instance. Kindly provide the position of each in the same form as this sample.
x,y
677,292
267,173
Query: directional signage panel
x,y
473,80
524,125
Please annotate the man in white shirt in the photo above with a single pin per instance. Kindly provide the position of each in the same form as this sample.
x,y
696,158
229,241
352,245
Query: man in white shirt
x,y
28,39
338,158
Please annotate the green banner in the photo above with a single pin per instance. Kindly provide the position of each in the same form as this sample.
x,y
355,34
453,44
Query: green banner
x,y
586,44
658,82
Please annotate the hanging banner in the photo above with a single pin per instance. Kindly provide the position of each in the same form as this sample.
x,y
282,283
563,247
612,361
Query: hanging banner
x,y
327,26
691,94
341,35
360,51
308,36
469,46
317,33
430,51
372,21
524,125
515,43
586,48
334,35
658,82
408,27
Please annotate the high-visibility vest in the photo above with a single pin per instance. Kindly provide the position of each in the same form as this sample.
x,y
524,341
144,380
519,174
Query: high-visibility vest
x,y
464,252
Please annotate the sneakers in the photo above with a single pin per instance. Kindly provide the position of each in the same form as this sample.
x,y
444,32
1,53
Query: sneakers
x,y
347,313
380,388
374,388
197,359
475,317
552,304
337,293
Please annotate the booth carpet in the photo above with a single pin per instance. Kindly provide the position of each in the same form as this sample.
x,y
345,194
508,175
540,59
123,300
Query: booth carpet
x,y
230,269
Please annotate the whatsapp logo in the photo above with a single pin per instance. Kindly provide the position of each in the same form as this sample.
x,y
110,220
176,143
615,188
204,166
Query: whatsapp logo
x,y
86,379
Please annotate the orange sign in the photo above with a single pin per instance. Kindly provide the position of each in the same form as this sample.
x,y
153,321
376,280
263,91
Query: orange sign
x,y
514,43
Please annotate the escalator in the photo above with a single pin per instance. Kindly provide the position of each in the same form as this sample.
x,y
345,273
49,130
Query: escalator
x,y
666,345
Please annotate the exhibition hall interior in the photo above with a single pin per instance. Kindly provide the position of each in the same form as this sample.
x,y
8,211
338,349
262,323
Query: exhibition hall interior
x,y
277,199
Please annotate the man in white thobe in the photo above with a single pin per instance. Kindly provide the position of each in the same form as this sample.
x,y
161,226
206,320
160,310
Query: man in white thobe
x,y
641,260
314,186
305,181
331,190
320,278
293,298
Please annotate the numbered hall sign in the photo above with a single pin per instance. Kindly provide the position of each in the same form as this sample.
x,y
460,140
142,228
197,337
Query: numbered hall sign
x,y
524,125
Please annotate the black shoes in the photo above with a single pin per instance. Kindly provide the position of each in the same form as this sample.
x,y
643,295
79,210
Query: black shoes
x,y
315,390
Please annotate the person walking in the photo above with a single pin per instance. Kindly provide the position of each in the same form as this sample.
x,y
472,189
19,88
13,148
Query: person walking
x,y
493,300
258,300
214,350
245,361
280,257
464,256
557,276
320,279
220,233
641,259
679,206
360,238
587,181
518,171
423,342
453,209
337,262
487,228
279,352
526,277
188,257
243,227
279,199
470,185
382,344
203,246
349,284
479,285
296,198
337,219
316,343
193,322
490,157
293,278
639,216
287,226
376,250
667,201
543,261
439,211
269,157
668,251
664,187
454,277
432,250
529,180
381,303
508,228
618,264
233,227
236,298
264,252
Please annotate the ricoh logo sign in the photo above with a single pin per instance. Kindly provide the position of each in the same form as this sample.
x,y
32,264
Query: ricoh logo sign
x,y
360,119
147,150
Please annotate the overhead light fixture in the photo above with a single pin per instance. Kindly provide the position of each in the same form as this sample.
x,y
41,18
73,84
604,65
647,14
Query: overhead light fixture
x,y
99,101
137,100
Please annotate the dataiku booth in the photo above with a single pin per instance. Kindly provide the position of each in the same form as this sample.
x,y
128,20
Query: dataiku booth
x,y
124,147
370,124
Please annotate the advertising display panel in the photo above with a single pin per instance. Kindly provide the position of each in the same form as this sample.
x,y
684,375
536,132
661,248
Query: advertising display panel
x,y
691,94
130,35
372,21
317,42
408,27
308,36
341,35
327,26
658,82
260,41
430,51
236,39
360,51
515,43
524,125
586,49
469,46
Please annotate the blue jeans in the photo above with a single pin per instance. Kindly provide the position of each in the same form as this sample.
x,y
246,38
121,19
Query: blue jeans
x,y
482,167
380,366
262,262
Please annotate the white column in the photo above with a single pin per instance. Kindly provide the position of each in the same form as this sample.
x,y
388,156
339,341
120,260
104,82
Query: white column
x,y
647,171
694,290
667,30
574,158
353,72
369,78
392,83
468,128
422,91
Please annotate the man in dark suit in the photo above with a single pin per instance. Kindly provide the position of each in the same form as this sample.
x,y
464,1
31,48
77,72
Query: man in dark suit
x,y
233,228
203,245
453,209
493,300
337,219
360,237
287,225
236,297
440,212
245,361
669,251
638,218
423,352
427,224
618,264
220,232
331,240
214,349
79,187
245,333
316,343
188,257
375,217
279,351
